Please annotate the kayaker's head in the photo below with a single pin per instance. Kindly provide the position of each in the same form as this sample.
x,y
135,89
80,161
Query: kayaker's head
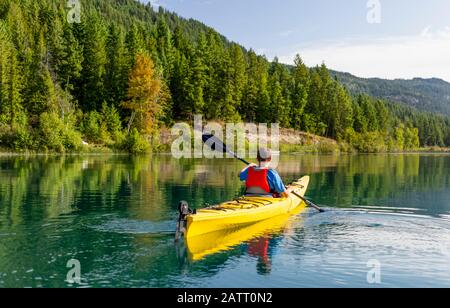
x,y
264,157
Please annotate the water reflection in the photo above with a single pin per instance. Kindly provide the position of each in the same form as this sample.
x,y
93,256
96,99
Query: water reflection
x,y
116,214
150,186
257,236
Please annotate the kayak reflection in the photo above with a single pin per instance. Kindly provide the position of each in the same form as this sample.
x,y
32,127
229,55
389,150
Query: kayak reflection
x,y
259,238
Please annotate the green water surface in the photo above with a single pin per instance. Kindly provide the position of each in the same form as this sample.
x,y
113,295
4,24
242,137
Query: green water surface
x,y
116,216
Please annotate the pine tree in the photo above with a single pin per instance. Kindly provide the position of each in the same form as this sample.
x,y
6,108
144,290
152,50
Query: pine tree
x,y
299,93
179,40
340,113
277,102
256,98
369,111
134,45
224,107
68,58
197,81
164,46
218,88
181,87
313,119
281,80
238,75
360,121
116,70
208,47
383,116
11,81
92,92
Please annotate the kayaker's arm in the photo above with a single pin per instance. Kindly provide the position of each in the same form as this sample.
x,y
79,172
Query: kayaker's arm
x,y
287,191
277,184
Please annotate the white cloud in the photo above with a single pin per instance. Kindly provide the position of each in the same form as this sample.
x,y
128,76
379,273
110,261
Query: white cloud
x,y
424,55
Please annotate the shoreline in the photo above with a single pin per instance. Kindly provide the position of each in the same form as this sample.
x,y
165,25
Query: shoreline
x,y
291,142
112,153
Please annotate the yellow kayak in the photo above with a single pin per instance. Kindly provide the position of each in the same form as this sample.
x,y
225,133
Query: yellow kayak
x,y
244,211
208,244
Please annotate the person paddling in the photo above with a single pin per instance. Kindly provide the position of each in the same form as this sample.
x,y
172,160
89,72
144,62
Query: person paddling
x,y
261,180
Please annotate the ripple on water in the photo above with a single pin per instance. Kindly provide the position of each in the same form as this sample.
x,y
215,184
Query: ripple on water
x,y
339,243
334,249
128,226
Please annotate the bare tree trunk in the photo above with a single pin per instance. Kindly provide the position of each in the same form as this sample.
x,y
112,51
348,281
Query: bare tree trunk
x,y
131,121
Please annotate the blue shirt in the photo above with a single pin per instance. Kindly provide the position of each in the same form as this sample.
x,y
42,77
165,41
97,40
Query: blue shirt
x,y
274,179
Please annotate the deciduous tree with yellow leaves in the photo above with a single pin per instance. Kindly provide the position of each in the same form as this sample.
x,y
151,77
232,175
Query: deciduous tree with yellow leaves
x,y
146,96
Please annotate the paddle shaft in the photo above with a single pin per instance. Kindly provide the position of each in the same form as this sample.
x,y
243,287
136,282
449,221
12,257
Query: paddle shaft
x,y
241,159
309,203
219,144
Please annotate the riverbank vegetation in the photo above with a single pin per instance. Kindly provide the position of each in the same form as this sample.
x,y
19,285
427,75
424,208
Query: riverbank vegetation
x,y
126,71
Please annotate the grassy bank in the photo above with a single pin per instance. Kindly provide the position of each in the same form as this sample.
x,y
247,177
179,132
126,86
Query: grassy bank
x,y
290,142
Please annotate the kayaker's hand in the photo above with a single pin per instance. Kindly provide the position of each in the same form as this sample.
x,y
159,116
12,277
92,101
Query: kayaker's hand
x,y
249,166
289,189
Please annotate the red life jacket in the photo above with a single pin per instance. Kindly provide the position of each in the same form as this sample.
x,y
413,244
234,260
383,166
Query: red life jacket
x,y
258,178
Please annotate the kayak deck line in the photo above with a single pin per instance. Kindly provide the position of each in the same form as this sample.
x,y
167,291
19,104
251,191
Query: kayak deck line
x,y
238,204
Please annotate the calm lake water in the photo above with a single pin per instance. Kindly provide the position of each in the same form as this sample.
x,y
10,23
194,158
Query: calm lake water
x,y
116,216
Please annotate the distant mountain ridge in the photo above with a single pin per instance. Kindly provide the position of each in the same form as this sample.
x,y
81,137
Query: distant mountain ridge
x,y
432,95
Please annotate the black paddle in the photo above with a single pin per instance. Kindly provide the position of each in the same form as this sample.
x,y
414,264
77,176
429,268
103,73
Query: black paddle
x,y
217,145
309,203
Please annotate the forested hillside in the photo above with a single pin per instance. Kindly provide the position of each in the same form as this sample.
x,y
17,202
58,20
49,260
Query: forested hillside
x,y
125,71
432,95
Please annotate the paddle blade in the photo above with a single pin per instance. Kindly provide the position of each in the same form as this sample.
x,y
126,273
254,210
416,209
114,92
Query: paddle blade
x,y
214,143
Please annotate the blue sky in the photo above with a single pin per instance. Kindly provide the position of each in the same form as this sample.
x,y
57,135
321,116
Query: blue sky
x,y
412,38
